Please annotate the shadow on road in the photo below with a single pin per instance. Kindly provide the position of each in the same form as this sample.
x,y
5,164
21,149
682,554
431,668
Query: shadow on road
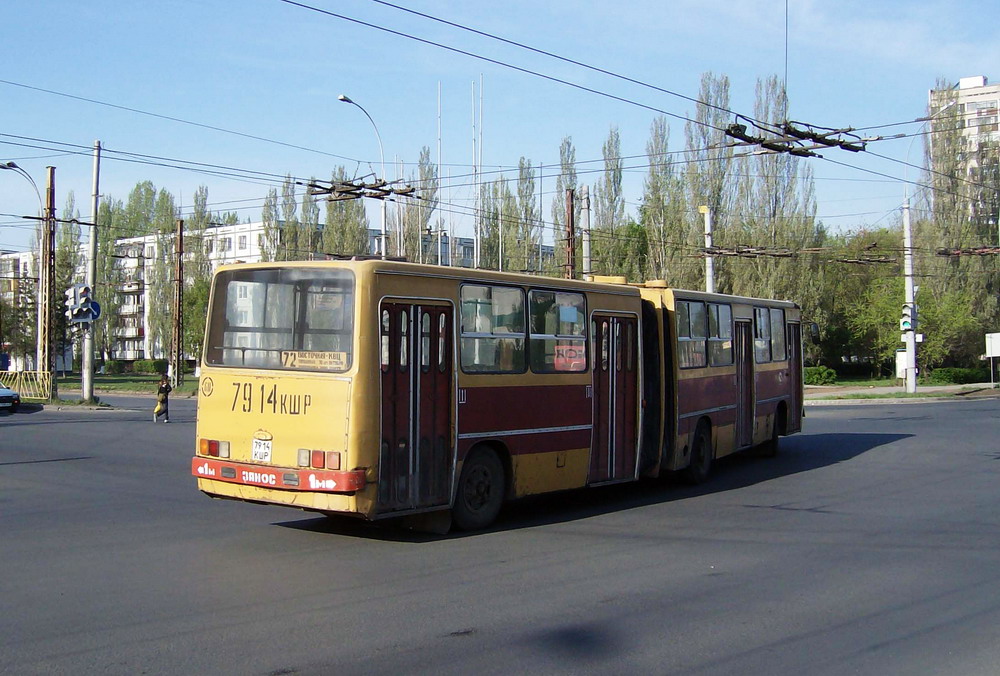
x,y
800,453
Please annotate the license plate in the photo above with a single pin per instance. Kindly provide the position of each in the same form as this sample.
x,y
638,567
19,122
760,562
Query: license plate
x,y
260,451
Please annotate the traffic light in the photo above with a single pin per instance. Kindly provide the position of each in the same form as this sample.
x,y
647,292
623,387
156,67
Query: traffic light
x,y
72,301
908,322
80,305
85,313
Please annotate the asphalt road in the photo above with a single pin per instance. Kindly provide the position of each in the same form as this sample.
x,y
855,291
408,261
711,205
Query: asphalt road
x,y
870,545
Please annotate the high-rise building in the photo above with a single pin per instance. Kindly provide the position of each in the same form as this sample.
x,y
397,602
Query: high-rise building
x,y
975,104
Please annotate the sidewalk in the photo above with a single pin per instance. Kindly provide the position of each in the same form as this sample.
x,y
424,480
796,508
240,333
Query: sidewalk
x,y
860,394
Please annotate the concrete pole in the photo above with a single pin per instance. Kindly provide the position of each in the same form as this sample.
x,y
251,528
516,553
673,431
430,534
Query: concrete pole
x,y
87,366
709,261
909,337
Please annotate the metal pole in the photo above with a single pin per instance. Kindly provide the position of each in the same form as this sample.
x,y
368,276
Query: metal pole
x,y
87,365
570,236
709,261
585,227
46,344
909,337
177,342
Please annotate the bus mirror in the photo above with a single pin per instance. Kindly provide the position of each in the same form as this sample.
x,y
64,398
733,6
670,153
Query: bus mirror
x,y
814,333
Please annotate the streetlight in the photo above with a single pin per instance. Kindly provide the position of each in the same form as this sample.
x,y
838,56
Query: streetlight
x,y
39,292
22,172
346,99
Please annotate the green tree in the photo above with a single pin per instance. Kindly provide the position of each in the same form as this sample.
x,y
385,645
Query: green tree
x,y
160,277
565,180
662,212
67,273
271,238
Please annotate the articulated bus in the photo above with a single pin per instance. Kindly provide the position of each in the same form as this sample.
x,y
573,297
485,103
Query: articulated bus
x,y
384,389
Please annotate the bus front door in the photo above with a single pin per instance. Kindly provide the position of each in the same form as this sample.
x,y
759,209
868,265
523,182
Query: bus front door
x,y
615,391
415,459
744,384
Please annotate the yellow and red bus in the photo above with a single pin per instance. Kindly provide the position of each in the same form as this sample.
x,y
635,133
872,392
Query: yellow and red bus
x,y
386,389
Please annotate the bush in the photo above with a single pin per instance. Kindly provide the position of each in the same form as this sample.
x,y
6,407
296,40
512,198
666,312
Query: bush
x,y
820,375
114,367
149,366
959,376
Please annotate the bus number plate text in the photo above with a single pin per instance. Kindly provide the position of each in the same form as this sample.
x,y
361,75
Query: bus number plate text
x,y
260,451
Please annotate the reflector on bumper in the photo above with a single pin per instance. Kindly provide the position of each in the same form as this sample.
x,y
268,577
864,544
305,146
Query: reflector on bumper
x,y
285,478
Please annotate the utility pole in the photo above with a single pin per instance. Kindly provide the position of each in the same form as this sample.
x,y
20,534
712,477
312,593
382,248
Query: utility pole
x,y
709,261
570,236
87,361
909,336
585,227
47,273
177,338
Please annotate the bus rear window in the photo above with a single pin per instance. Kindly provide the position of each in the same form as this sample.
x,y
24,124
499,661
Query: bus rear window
x,y
289,318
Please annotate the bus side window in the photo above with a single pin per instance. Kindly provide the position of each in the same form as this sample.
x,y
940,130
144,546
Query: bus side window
x,y
385,340
403,323
441,344
425,341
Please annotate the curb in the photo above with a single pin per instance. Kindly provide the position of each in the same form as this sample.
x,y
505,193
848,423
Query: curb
x,y
896,400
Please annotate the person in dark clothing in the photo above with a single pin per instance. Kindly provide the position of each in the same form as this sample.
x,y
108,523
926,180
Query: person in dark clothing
x,y
162,400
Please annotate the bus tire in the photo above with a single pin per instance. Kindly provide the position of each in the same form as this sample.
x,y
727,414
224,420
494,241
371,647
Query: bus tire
x,y
700,467
481,489
769,448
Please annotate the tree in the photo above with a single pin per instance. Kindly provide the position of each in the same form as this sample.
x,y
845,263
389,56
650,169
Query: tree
x,y
662,213
197,272
527,228
271,237
566,180
68,263
610,205
110,225
160,274
290,248
708,173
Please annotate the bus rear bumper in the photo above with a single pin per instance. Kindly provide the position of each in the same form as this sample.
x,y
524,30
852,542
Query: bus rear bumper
x,y
287,479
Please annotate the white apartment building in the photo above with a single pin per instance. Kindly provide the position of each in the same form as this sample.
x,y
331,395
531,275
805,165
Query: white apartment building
x,y
976,104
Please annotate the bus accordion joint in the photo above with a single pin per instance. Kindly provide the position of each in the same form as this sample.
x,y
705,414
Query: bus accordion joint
x,y
328,481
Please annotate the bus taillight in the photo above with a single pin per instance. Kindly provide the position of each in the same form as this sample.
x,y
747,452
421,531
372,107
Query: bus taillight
x,y
319,459
214,448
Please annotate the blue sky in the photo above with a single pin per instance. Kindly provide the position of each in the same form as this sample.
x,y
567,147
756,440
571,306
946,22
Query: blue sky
x,y
272,70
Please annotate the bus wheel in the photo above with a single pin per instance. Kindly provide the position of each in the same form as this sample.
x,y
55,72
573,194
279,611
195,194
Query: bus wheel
x,y
701,457
480,490
769,448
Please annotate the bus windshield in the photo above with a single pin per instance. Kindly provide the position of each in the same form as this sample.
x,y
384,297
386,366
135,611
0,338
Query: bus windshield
x,y
282,318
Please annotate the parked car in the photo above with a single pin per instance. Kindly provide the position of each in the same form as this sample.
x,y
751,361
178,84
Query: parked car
x,y
9,399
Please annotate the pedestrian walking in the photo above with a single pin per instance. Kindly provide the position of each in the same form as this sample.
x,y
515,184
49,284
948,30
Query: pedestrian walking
x,y
163,400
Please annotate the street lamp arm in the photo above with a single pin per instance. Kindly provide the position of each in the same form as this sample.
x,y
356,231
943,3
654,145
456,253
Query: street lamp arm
x,y
346,99
15,168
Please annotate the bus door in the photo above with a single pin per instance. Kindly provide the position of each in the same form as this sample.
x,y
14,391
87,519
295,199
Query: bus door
x,y
615,391
794,421
415,459
744,384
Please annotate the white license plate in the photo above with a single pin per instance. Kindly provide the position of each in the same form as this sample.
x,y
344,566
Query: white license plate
x,y
260,451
